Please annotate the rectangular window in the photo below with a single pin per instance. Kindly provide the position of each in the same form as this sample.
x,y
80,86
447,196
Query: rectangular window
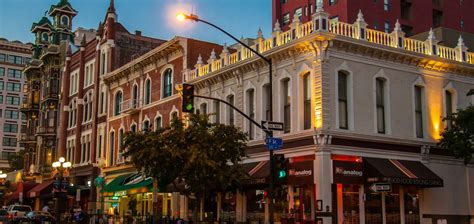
x,y
286,106
387,27
14,59
380,104
419,111
342,100
449,106
437,18
1,99
14,73
13,100
1,85
299,13
102,64
15,87
9,142
230,110
11,114
286,19
217,111
251,112
266,89
10,128
307,101
284,1
2,57
332,2
2,71
386,5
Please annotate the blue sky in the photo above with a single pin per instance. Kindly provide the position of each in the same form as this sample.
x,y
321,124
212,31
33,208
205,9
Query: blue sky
x,y
155,18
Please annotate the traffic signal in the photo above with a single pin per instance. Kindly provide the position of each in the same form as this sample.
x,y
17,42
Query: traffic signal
x,y
188,98
281,168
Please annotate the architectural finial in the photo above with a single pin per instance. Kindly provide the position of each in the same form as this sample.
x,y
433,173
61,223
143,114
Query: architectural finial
x,y
360,16
213,55
397,26
431,35
277,27
111,7
319,6
461,41
199,61
259,33
225,49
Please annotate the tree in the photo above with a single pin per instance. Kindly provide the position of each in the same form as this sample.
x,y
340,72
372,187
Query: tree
x,y
459,138
197,159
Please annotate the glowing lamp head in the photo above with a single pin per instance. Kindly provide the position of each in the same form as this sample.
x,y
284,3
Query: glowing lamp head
x,y
180,16
56,164
67,164
61,159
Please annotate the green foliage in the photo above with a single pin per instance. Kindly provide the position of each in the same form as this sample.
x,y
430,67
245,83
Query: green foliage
x,y
459,138
203,155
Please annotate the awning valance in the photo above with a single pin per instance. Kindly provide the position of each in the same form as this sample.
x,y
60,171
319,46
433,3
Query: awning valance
x,y
43,188
129,182
258,173
401,172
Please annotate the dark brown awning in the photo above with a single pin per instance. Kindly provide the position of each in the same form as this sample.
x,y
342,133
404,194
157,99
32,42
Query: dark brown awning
x,y
401,172
258,173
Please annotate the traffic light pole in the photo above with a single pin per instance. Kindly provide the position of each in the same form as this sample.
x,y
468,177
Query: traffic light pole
x,y
268,132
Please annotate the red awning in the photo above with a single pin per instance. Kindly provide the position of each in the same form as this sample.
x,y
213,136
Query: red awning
x,y
40,189
22,187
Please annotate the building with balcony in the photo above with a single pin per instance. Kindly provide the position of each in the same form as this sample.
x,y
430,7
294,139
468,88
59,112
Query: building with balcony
x,y
362,112
415,17
13,57
83,115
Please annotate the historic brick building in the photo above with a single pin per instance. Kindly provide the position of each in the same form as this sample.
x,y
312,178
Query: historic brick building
x,y
84,108
414,16
143,96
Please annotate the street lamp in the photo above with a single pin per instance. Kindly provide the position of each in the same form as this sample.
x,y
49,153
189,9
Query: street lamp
x,y
195,18
3,175
61,165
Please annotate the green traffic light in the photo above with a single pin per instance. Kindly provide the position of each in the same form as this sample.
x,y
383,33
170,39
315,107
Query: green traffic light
x,y
189,106
281,174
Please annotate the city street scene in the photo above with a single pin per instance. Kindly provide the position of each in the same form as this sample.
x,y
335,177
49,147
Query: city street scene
x,y
237,111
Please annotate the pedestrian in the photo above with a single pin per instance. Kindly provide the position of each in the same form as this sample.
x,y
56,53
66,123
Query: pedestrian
x,y
45,208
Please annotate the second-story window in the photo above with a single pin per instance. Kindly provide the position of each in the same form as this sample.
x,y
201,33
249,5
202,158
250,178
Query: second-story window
x,y
448,97
342,100
167,83
118,103
307,100
380,104
266,101
217,111
103,63
111,160
158,123
230,111
419,111
147,91
286,94
251,112
146,126
134,96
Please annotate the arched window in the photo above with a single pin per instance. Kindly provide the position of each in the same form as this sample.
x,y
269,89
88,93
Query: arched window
x,y
44,37
380,104
158,123
64,20
146,126
148,91
203,108
342,85
167,83
133,128
111,149
307,101
135,96
118,103
174,115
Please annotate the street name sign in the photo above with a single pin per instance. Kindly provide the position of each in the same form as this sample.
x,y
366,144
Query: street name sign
x,y
381,187
271,125
274,143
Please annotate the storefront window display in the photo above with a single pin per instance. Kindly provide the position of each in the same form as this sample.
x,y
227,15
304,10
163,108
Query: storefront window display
x,y
373,207
228,206
301,203
392,206
350,204
256,200
281,204
411,203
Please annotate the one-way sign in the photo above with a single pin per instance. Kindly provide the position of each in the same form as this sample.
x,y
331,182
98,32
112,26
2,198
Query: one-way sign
x,y
271,125
381,187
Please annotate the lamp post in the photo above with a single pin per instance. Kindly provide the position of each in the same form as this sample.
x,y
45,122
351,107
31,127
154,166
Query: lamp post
x,y
195,18
61,165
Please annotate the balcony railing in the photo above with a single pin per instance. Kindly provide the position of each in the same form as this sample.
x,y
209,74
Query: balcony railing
x,y
27,138
358,30
130,106
45,130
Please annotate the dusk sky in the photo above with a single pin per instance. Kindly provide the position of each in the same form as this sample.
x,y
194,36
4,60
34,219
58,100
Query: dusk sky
x,y
155,18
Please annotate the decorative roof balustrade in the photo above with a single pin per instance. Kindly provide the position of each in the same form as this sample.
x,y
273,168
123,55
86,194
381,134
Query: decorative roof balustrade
x,y
321,22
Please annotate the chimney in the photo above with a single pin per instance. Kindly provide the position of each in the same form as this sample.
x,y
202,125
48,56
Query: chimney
x,y
138,32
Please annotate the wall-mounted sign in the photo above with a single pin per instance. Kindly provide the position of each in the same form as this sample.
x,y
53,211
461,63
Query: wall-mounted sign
x,y
348,172
300,173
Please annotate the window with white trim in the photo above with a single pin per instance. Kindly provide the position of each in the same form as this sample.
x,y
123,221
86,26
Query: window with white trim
x,y
419,111
342,87
230,110
380,104
147,91
307,101
448,100
158,123
118,103
286,104
167,83
251,112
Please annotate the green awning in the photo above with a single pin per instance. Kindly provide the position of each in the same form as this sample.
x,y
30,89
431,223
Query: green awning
x,y
128,182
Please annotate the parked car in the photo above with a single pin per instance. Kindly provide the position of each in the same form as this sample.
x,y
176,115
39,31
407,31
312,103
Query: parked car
x,y
16,213
40,217
4,218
